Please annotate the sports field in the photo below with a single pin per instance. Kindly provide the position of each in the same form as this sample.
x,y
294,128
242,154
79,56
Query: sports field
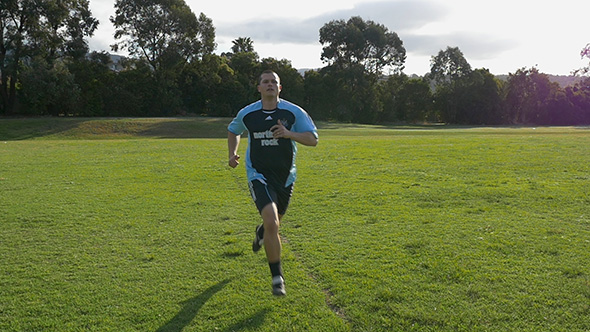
x,y
139,225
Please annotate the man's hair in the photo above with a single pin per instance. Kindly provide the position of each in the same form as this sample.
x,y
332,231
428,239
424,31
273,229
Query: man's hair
x,y
268,71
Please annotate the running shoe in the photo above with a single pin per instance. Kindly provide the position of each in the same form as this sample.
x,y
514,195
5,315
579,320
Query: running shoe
x,y
278,286
258,240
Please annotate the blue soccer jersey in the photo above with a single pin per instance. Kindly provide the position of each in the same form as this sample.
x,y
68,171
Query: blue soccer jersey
x,y
268,158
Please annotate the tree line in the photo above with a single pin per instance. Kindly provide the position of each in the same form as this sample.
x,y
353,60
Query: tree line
x,y
172,70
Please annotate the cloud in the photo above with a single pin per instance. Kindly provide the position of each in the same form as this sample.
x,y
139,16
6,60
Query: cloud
x,y
396,16
405,18
474,46
277,30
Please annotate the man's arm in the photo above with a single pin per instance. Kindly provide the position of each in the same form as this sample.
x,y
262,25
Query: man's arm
x,y
233,142
306,138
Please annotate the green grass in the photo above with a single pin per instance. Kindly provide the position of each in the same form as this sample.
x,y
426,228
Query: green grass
x,y
116,225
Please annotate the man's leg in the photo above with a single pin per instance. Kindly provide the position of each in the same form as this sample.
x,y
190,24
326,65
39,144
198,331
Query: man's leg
x,y
272,241
272,246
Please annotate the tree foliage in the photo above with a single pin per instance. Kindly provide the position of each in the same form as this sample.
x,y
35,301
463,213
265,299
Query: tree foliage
x,y
528,91
584,53
39,29
211,87
49,88
359,42
405,100
168,35
449,65
474,98
357,53
243,45
579,97
164,32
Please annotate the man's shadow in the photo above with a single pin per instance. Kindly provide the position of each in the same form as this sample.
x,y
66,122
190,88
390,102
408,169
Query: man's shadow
x,y
253,322
192,306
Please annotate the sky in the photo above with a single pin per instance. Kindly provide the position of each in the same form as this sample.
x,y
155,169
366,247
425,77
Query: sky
x,y
501,35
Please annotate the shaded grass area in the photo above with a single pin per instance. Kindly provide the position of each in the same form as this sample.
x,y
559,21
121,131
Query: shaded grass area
x,y
389,229
112,128
52,128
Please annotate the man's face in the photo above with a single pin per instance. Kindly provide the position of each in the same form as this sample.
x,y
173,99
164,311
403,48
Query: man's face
x,y
269,86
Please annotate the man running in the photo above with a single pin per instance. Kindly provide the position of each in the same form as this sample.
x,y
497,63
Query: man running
x,y
273,125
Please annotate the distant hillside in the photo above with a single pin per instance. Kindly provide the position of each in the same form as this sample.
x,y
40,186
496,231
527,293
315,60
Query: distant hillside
x,y
562,80
565,80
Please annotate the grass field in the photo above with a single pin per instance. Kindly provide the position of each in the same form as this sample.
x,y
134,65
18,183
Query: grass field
x,y
139,225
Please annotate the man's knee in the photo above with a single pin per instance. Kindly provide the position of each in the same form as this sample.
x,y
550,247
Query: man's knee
x,y
271,219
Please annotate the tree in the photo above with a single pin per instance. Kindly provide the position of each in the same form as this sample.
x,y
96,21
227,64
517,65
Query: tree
x,y
357,53
559,110
242,45
163,32
246,67
450,72
290,78
48,29
210,87
131,92
166,34
584,53
94,78
359,42
527,93
48,89
448,65
390,95
478,99
579,97
317,95
416,100
405,99
349,95
67,23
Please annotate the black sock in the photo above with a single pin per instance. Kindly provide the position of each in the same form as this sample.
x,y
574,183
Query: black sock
x,y
276,269
261,232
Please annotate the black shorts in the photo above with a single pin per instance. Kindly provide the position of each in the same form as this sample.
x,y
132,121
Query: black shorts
x,y
266,193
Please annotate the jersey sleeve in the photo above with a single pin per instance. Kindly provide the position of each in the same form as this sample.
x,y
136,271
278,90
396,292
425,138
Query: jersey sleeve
x,y
304,123
236,126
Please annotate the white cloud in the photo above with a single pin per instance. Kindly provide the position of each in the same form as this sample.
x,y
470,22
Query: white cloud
x,y
396,16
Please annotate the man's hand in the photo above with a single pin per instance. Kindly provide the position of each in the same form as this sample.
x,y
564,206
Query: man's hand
x,y
233,161
306,138
279,131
